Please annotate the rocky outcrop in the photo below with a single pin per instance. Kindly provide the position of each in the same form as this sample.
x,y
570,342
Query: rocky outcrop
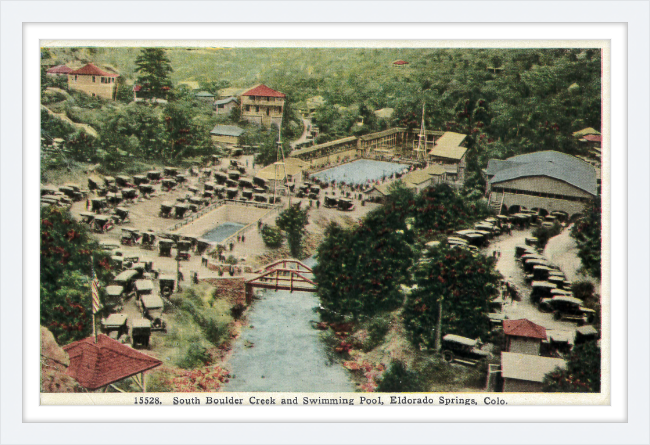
x,y
54,363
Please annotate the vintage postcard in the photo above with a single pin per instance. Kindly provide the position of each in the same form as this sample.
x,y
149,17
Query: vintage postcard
x,y
358,224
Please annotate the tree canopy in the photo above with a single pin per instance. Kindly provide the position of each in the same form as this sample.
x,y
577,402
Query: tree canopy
x,y
588,235
293,221
463,282
582,373
153,69
66,272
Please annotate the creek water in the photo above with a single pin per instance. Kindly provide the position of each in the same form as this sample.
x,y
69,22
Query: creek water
x,y
280,351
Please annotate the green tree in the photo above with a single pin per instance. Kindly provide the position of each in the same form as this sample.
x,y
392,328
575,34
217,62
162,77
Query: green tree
x,y
463,283
360,269
588,235
582,373
398,378
293,221
272,236
66,252
153,68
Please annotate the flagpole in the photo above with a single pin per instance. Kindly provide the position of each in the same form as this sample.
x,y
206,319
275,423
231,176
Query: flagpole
x,y
92,296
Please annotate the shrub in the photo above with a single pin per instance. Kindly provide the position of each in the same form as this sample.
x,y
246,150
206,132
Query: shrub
x,y
237,311
377,328
399,379
195,356
272,236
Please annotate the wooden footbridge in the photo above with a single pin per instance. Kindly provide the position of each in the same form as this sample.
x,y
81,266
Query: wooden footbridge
x,y
287,274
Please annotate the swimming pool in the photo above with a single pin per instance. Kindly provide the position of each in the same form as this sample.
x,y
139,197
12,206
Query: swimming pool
x,y
222,231
359,172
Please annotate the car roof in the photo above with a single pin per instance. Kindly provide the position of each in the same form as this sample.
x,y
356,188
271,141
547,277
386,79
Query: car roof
x,y
459,339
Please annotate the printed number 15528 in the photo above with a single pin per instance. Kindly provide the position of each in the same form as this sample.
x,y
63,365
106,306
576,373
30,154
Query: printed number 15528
x,y
147,401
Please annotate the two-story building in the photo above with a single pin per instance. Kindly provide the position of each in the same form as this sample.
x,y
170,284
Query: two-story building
x,y
263,106
448,151
93,81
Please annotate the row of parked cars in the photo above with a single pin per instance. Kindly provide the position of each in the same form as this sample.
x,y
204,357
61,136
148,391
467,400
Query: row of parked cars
x,y
62,196
551,291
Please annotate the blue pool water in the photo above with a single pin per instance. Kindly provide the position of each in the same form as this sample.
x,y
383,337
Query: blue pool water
x,y
359,172
222,231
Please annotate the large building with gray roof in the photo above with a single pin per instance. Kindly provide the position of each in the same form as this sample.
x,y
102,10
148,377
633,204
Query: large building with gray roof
x,y
547,180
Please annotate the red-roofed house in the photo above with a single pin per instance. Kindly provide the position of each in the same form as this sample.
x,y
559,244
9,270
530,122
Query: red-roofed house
x,y
93,81
59,70
523,336
97,365
262,105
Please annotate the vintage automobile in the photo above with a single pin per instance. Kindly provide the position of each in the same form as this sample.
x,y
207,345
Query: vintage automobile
x,y
170,171
202,245
456,348
567,308
330,202
140,332
98,204
145,190
114,298
165,247
473,237
541,289
232,183
148,239
181,179
192,189
247,194
102,223
115,325
126,280
129,193
166,209
109,245
117,262
585,334
275,199
109,181
220,177
140,179
114,198
234,175
209,185
246,183
167,285
183,248
152,308
122,214
260,197
208,195
216,160
260,182
231,192
94,184
168,184
313,196
143,287
122,181
130,236
523,250
195,200
87,218
180,210
529,263
206,173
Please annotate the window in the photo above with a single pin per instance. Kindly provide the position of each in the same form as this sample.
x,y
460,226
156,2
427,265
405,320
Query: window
x,y
268,111
93,78
248,108
220,106
75,77
257,109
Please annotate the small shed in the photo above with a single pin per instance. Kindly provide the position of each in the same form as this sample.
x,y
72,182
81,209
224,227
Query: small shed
x,y
228,134
523,336
225,106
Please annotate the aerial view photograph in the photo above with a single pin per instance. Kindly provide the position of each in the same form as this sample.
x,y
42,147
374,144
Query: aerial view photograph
x,y
357,220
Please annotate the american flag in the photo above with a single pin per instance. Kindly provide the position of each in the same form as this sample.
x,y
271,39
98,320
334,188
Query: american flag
x,y
95,293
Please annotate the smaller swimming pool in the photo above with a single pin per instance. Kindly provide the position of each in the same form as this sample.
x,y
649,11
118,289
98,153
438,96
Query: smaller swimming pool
x,y
222,231
360,172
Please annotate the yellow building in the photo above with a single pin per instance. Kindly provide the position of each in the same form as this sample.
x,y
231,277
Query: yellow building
x,y
278,173
226,134
93,81
263,106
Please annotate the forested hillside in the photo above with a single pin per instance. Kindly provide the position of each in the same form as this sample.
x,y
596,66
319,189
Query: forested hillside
x,y
509,101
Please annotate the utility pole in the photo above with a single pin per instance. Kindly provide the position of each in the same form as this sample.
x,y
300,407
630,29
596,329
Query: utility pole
x,y
423,134
280,161
438,340
178,271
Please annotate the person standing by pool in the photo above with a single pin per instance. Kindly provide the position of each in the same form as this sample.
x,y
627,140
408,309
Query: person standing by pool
x,y
243,238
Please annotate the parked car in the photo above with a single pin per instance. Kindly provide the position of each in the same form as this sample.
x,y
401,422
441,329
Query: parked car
x,y
141,332
115,325
462,349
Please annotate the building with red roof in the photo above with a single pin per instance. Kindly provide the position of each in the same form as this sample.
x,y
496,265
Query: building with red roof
x,y
59,70
262,105
523,336
97,365
94,81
